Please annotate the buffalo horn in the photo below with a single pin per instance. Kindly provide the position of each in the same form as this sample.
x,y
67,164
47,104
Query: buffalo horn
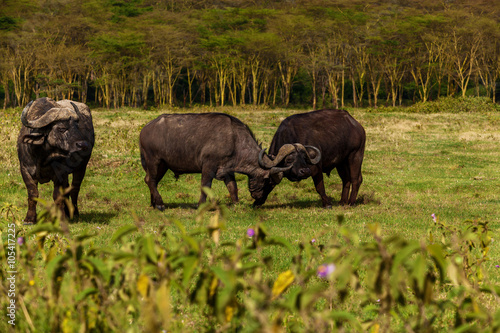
x,y
77,111
276,170
49,117
267,163
318,155
25,113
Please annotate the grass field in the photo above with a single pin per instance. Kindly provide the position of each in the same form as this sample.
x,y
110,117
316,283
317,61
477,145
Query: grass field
x,y
415,165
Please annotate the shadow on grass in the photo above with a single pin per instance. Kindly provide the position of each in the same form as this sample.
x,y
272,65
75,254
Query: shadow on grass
x,y
363,199
181,205
95,217
305,204
194,205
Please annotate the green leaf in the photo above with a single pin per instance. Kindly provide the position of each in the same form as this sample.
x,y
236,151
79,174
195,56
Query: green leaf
x,y
122,255
100,267
223,298
280,241
227,278
437,254
163,302
55,272
249,266
55,266
375,229
309,296
190,264
192,243
419,271
292,298
44,227
343,316
84,236
403,254
123,231
85,293
180,226
148,245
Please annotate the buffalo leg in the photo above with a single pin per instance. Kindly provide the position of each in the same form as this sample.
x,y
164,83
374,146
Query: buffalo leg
x,y
154,174
355,173
32,187
76,183
58,185
206,181
343,171
230,182
317,176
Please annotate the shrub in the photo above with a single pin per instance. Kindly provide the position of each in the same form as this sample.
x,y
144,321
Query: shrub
x,y
455,105
196,283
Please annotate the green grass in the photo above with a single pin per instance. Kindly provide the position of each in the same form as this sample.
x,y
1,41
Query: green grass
x,y
415,165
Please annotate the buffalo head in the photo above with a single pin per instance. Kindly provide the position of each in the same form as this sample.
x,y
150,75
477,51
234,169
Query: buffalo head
x,y
56,129
292,161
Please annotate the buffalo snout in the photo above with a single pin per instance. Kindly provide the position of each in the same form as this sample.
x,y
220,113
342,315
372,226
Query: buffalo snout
x,y
304,173
82,145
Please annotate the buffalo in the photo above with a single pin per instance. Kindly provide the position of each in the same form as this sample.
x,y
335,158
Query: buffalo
x,y
56,139
341,140
216,145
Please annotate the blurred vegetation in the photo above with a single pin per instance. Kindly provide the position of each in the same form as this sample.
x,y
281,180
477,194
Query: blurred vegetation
x,y
311,53
191,281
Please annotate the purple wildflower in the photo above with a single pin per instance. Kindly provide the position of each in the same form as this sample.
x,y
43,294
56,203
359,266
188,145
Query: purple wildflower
x,y
497,266
434,217
313,240
20,240
325,270
250,232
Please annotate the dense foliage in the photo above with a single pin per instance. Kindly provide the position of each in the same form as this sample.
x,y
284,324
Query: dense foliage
x,y
196,283
315,52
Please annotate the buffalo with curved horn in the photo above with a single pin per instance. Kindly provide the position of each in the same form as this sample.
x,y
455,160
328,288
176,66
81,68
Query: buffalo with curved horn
x,y
56,140
216,145
341,140
309,154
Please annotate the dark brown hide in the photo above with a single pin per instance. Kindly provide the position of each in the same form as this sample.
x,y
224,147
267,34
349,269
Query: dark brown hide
x,y
341,140
56,139
214,144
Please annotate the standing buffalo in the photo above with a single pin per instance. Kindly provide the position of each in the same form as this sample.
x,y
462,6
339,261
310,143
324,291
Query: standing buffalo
x,y
216,145
56,139
341,140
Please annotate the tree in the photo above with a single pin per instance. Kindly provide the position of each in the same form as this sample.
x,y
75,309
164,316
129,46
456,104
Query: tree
x,y
245,52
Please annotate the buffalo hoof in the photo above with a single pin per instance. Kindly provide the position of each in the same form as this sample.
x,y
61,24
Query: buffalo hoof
x,y
28,223
161,208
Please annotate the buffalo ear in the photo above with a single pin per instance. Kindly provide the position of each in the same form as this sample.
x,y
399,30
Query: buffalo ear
x,y
34,139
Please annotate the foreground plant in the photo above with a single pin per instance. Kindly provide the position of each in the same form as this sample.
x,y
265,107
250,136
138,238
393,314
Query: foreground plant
x,y
196,282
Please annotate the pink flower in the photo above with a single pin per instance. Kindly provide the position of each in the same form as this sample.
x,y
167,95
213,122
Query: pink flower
x,y
313,240
250,232
434,217
20,240
325,270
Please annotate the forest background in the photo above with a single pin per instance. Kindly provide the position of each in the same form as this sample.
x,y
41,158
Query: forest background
x,y
319,53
